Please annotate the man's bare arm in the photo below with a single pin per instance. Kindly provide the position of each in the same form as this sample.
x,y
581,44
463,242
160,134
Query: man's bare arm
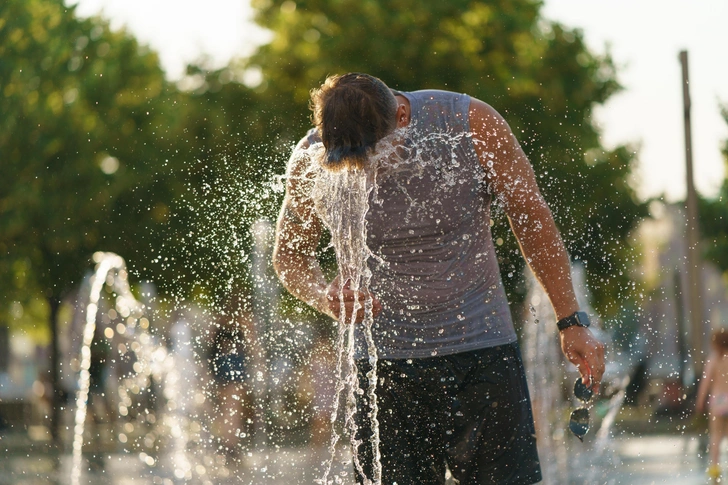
x,y
298,232
511,178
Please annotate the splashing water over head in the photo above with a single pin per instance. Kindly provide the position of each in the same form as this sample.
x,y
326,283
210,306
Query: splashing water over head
x,y
341,199
352,112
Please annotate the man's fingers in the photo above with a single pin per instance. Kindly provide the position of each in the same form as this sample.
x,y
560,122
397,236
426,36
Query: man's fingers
x,y
586,353
352,306
376,307
598,367
584,371
338,296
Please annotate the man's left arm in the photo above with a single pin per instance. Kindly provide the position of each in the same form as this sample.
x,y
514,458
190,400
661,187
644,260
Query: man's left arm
x,y
512,180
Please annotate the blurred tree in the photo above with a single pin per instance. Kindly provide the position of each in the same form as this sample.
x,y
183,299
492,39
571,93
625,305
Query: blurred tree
x,y
714,217
81,127
538,74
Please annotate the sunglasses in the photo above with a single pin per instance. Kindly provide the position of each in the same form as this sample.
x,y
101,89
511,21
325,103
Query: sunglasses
x,y
579,419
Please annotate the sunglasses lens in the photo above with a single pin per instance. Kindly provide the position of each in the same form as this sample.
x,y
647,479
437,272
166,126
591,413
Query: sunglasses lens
x,y
582,393
579,422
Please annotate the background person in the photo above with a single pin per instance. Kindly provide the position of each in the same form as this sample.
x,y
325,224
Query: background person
x,y
713,390
230,366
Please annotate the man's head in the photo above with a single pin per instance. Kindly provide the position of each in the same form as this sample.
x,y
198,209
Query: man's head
x,y
352,113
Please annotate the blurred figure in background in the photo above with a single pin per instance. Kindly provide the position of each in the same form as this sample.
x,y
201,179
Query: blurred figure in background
x,y
713,390
321,372
98,376
230,364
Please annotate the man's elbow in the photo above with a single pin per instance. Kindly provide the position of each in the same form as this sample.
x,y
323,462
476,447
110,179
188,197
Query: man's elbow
x,y
285,262
278,262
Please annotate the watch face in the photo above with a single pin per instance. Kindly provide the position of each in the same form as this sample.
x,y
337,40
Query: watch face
x,y
582,319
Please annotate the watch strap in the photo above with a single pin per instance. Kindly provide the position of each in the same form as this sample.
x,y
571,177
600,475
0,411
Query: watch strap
x,y
580,319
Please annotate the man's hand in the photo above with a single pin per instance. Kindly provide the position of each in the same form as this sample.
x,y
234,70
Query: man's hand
x,y
334,296
586,353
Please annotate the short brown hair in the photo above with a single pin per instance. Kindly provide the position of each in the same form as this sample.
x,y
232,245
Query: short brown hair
x,y
352,112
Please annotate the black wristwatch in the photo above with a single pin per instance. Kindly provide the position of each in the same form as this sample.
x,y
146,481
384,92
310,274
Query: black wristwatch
x,y
577,318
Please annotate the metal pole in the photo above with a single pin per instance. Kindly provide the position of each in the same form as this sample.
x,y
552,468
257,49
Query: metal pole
x,y
694,300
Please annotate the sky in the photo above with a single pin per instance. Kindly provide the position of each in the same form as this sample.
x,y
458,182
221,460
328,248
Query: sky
x,y
643,36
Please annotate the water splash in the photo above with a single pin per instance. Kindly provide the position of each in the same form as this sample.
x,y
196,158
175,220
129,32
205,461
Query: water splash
x,y
151,363
346,221
177,369
110,270
545,374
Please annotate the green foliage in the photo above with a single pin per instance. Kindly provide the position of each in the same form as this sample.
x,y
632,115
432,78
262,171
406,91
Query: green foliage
x,y
228,157
713,215
79,144
539,75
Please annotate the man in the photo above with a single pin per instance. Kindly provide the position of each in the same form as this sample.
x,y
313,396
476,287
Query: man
x,y
452,388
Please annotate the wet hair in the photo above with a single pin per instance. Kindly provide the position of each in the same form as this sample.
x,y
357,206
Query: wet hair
x,y
719,340
352,112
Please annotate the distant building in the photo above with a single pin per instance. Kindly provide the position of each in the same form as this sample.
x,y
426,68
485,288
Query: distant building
x,y
665,336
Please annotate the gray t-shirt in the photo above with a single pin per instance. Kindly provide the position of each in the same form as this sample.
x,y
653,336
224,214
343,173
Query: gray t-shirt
x,y
435,270
429,222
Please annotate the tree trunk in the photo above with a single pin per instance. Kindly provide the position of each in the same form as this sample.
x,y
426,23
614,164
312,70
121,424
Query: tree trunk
x,y
57,397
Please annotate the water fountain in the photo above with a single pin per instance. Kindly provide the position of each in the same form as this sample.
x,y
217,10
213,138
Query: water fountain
x,y
106,263
146,372
163,391
346,220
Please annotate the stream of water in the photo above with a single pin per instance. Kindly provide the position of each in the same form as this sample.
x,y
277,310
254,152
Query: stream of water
x,y
110,270
346,221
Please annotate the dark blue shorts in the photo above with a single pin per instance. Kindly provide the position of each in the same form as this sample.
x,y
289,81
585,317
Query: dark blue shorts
x,y
229,368
470,411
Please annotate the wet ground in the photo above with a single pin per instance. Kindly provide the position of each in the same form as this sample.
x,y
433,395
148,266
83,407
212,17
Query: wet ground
x,y
675,460
660,459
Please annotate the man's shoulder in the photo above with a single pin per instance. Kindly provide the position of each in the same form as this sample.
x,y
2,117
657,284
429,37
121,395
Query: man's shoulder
x,y
301,163
436,94
440,108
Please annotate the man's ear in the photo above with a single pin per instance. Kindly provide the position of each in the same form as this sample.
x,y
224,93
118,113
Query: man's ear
x,y
402,116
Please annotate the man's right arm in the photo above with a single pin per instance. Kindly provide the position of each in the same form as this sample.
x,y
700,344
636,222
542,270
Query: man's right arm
x,y
298,232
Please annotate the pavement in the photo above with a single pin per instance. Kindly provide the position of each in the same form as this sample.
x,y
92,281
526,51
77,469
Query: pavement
x,y
633,460
653,460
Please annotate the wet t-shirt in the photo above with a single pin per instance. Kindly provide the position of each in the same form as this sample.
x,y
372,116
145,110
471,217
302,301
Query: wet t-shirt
x,y
437,276
434,267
